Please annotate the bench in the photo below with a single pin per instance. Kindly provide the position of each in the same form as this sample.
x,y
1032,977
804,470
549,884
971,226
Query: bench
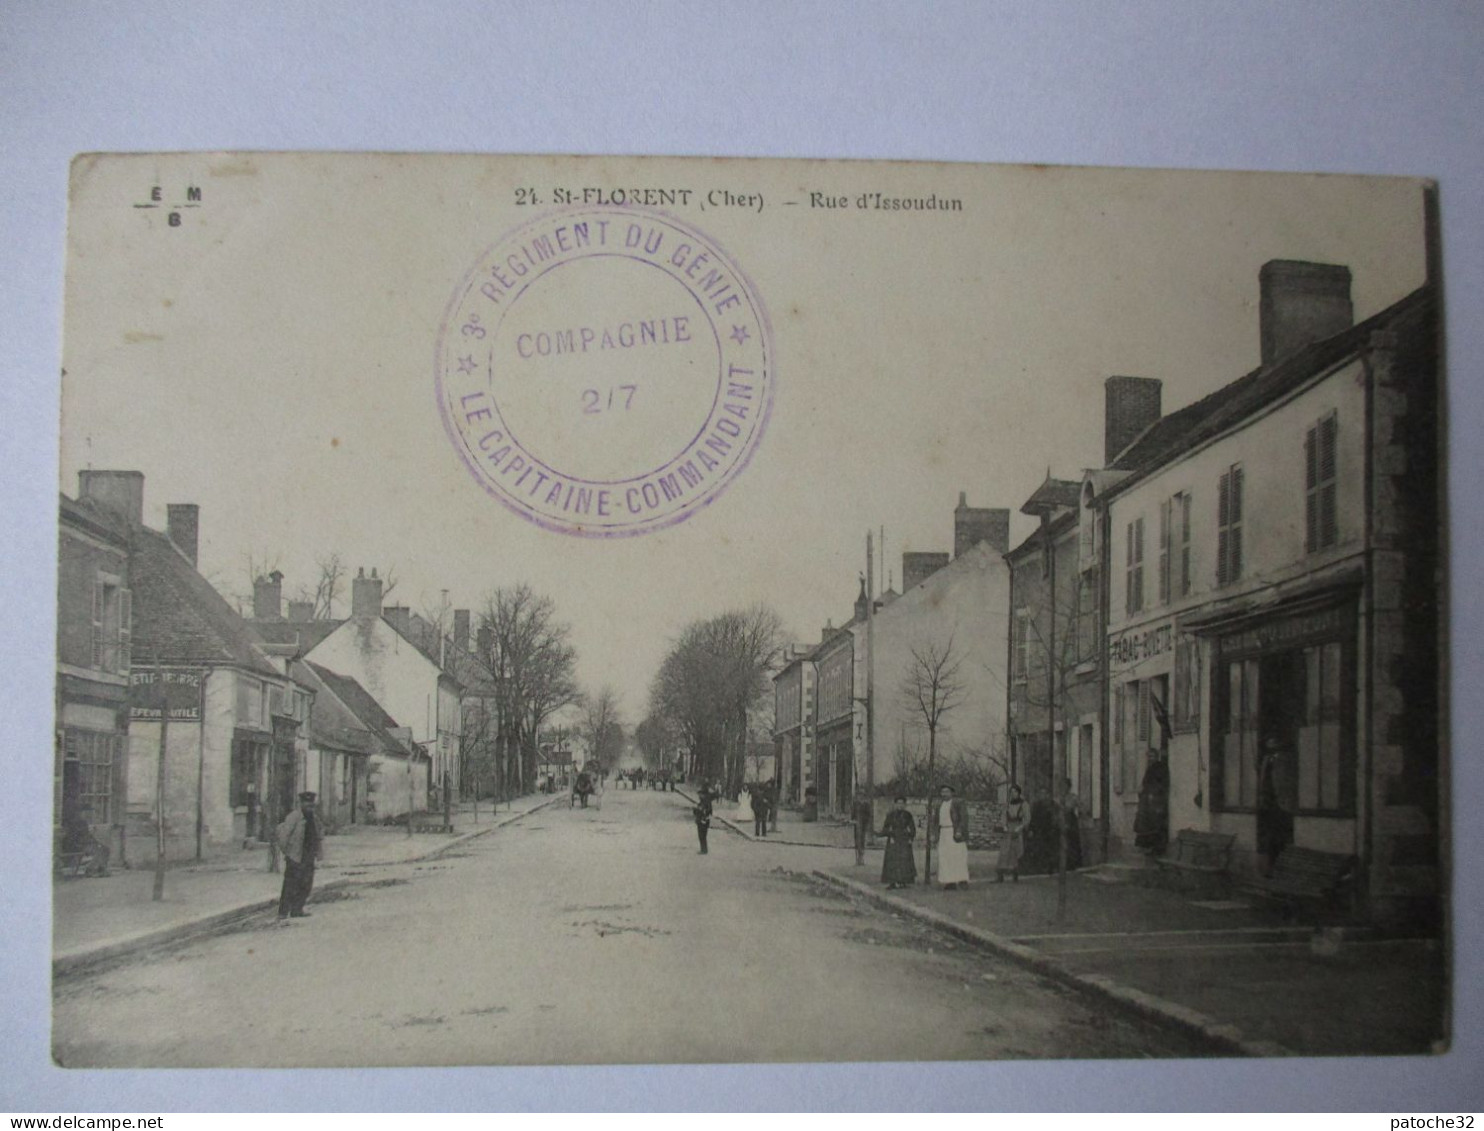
x,y
1307,876
1199,860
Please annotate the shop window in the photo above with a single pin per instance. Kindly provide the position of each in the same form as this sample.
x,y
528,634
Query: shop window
x,y
1321,770
1229,526
1239,747
91,759
1134,575
1321,526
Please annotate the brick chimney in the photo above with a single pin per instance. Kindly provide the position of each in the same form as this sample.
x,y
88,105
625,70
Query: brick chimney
x,y
1301,303
1130,405
484,639
461,630
972,525
182,526
365,594
267,597
918,567
400,618
121,492
301,612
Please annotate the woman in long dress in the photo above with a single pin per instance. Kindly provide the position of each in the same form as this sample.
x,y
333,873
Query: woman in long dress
x,y
899,869
1012,847
948,821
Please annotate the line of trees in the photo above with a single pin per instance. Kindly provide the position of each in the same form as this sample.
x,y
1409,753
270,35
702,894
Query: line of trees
x,y
709,689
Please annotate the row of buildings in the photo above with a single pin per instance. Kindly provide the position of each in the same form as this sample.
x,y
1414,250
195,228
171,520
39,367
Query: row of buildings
x,y
1263,564
158,674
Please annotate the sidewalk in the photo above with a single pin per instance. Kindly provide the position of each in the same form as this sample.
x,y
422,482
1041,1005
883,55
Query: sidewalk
x,y
1235,974
94,919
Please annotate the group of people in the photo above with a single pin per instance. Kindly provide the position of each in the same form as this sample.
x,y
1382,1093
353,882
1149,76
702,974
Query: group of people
x,y
948,837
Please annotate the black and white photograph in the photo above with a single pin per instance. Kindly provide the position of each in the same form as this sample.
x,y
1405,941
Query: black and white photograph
x,y
498,594
832,556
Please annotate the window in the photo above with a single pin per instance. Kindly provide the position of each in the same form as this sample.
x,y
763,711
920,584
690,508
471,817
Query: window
x,y
1134,597
96,756
1166,510
112,625
1022,644
1239,749
1229,527
1321,527
1321,773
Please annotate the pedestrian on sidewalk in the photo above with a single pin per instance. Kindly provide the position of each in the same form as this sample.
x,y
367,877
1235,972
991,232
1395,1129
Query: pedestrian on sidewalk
x,y
301,841
1071,815
948,830
1013,846
1274,820
759,801
1152,820
899,869
863,820
702,814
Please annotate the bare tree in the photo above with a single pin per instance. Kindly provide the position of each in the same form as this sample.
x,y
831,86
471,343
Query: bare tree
x,y
932,685
328,587
602,728
531,664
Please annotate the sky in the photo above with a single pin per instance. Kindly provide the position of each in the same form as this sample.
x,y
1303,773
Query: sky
x,y
272,359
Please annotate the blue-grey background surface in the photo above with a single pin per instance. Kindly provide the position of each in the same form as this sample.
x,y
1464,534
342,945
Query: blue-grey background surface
x,y
1342,87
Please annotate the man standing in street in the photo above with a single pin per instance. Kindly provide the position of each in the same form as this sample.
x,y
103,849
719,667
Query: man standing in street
x,y
300,839
759,811
702,813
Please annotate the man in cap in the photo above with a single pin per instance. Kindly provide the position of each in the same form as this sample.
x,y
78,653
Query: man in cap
x,y
300,839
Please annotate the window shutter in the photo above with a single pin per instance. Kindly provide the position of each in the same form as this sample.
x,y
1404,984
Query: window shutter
x,y
126,629
1235,570
1185,544
1223,525
1311,483
97,624
1328,527
1166,510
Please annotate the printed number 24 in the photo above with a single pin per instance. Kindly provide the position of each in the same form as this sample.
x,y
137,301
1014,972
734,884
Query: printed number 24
x,y
592,399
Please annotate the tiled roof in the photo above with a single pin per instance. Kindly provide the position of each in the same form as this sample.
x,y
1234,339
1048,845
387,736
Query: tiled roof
x,y
469,672
179,618
1053,494
302,634
331,722
1180,431
366,709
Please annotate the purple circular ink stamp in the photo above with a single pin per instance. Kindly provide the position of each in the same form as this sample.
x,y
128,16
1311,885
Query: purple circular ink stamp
x,y
605,371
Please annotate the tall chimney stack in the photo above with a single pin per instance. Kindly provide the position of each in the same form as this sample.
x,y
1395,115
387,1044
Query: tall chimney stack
x,y
918,566
1130,405
365,594
461,630
1301,303
267,597
972,525
182,527
121,492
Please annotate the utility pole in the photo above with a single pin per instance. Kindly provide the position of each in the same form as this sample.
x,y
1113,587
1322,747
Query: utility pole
x,y
870,669
159,890
1057,772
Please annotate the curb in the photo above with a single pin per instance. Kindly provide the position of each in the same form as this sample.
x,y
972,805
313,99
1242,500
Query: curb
x,y
73,961
745,835
1226,1038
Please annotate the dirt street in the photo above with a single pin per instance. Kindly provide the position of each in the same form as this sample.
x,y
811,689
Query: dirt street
x,y
575,937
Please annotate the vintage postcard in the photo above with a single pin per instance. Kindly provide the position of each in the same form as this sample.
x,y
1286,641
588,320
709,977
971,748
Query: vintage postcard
x,y
538,610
